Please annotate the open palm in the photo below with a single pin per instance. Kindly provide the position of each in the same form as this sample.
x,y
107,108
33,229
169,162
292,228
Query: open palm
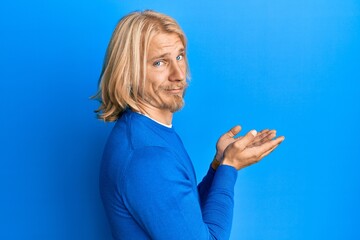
x,y
229,137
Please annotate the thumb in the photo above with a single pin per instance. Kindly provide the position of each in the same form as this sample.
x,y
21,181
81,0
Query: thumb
x,y
234,131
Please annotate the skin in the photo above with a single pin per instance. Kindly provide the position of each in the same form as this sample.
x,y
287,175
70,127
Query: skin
x,y
243,151
163,95
165,78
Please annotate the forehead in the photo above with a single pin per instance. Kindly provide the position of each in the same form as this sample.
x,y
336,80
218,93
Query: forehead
x,y
165,43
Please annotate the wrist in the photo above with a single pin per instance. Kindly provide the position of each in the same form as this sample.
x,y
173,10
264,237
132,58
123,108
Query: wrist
x,y
215,163
218,156
228,162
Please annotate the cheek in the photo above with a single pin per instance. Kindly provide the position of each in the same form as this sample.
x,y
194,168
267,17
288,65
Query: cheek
x,y
155,78
155,82
183,66
151,86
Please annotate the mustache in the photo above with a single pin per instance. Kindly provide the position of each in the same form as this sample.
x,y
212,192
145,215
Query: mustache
x,y
181,85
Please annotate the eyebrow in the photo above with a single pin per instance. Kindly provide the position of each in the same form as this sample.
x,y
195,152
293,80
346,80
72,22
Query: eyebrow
x,y
181,50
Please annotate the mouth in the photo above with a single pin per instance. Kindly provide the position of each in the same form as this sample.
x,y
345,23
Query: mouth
x,y
174,90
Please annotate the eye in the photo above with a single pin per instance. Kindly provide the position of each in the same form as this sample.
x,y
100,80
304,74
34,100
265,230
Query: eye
x,y
158,63
180,57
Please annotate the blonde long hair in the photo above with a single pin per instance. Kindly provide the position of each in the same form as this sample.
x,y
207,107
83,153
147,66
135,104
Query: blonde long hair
x,y
124,68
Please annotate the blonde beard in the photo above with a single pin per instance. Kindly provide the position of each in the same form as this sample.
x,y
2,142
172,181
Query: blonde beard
x,y
177,102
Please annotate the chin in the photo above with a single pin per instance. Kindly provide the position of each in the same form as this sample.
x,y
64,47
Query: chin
x,y
177,108
176,105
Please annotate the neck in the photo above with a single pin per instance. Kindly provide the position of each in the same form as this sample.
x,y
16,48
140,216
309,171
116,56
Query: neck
x,y
163,116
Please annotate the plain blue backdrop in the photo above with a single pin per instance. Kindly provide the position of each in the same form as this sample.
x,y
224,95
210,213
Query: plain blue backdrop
x,y
289,65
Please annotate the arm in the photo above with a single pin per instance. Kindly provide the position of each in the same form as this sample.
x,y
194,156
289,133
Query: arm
x,y
226,139
162,198
205,184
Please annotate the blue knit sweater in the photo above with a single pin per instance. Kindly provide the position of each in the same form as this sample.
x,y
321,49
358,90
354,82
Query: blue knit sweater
x,y
149,189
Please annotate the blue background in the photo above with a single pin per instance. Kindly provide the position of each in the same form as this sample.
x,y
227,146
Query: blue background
x,y
289,65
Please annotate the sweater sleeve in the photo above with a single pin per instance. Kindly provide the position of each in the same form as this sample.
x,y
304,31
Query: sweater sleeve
x,y
163,200
204,186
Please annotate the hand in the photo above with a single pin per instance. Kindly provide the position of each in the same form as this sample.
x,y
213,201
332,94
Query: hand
x,y
225,140
229,137
250,149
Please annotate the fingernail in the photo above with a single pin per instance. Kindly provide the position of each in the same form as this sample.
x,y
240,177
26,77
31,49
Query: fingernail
x,y
253,132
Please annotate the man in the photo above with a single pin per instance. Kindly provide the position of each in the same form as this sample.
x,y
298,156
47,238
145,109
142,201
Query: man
x,y
147,181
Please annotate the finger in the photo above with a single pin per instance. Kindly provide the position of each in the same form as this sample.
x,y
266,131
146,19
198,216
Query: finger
x,y
244,141
268,152
268,147
234,131
265,138
264,130
259,135
262,138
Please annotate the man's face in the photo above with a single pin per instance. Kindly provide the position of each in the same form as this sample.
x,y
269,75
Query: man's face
x,y
165,73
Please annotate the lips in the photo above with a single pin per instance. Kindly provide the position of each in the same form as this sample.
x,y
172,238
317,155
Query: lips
x,y
174,90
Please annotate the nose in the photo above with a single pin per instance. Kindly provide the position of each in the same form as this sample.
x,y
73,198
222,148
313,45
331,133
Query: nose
x,y
177,72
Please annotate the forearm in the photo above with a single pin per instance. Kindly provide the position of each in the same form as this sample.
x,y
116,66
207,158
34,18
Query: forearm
x,y
205,184
218,207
